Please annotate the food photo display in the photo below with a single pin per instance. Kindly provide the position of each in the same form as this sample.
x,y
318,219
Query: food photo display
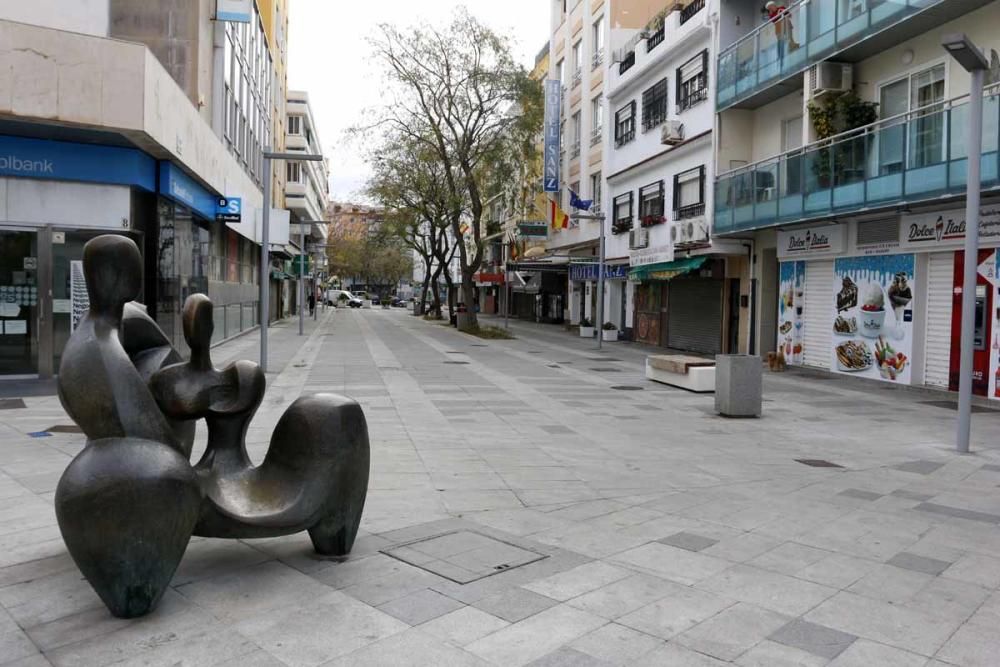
x,y
791,300
873,316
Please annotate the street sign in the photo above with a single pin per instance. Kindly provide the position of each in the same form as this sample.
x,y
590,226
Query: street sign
x,y
229,209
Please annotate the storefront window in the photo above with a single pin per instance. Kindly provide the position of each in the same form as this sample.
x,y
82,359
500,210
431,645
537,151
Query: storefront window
x,y
181,266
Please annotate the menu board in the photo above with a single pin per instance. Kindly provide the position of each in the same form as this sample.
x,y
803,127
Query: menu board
x,y
791,302
873,316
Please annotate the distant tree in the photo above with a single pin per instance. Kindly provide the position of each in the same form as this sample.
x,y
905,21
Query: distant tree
x,y
457,91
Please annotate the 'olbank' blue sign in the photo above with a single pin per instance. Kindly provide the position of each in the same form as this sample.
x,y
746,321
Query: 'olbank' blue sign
x,y
67,161
180,187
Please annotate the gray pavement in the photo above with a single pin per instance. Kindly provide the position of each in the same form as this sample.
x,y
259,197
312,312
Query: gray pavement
x,y
524,508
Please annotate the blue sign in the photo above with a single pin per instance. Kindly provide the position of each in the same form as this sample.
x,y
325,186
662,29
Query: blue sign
x,y
229,209
176,185
234,11
586,272
553,103
66,161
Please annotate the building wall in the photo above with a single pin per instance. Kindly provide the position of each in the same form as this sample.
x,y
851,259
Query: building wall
x,y
90,17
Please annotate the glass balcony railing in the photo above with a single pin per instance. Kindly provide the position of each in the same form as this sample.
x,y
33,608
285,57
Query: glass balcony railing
x,y
915,156
809,32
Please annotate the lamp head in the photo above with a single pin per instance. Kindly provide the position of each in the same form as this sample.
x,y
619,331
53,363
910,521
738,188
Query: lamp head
x,y
964,51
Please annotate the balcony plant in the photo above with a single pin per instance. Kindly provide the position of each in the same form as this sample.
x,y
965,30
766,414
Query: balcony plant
x,y
586,328
623,226
651,220
837,116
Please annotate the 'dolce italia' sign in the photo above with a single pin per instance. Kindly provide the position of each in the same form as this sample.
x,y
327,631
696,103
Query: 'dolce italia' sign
x,y
828,240
945,228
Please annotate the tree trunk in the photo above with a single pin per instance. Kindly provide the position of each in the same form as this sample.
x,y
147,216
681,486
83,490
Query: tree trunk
x,y
424,287
469,298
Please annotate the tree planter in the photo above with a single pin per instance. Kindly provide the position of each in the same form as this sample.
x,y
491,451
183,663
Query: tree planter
x,y
586,332
609,334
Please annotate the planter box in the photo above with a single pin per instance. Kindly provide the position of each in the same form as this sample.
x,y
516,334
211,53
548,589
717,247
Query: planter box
x,y
609,335
738,385
586,332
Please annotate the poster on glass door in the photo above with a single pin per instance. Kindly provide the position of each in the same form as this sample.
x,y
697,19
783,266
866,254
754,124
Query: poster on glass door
x,y
791,302
873,317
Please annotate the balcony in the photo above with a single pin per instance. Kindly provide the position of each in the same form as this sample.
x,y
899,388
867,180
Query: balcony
x,y
655,39
597,59
897,161
574,152
596,135
688,12
751,69
577,78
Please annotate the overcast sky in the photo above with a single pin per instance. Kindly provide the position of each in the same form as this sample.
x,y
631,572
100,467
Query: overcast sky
x,y
328,58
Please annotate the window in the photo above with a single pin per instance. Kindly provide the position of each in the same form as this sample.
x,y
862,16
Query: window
x,y
654,105
626,63
294,172
574,187
622,221
651,201
597,33
577,57
295,125
596,118
692,82
925,144
625,124
689,193
577,131
596,186
561,72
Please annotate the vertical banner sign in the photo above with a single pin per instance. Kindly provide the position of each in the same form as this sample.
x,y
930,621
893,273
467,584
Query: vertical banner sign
x,y
553,101
791,300
873,316
236,11
79,300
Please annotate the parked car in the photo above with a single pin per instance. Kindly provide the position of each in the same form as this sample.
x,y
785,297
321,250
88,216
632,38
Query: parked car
x,y
338,297
398,302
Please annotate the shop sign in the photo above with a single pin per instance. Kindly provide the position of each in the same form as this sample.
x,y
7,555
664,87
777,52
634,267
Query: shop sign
x,y
66,161
988,269
929,231
652,255
872,313
229,209
589,272
553,115
180,187
234,11
489,278
533,229
815,241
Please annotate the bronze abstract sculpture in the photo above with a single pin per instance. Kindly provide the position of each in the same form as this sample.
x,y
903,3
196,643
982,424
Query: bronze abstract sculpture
x,y
128,504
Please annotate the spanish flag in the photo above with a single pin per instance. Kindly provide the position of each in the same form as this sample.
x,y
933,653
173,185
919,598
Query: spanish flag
x,y
559,219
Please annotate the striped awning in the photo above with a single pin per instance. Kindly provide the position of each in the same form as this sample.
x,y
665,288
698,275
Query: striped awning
x,y
665,270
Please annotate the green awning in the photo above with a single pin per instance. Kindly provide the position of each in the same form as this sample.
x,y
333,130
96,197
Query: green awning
x,y
666,270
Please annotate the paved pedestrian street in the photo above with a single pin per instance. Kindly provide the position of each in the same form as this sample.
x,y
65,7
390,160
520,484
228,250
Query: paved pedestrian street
x,y
537,502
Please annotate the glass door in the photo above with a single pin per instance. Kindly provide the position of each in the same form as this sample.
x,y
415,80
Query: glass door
x,y
927,135
18,303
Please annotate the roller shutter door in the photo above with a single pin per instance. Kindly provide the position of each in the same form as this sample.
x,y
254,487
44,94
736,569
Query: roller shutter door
x,y
937,348
817,330
694,315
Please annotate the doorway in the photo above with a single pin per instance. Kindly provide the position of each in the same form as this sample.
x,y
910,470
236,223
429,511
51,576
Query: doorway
x,y
19,300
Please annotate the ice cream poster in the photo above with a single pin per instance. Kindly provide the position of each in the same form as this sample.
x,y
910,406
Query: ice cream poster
x,y
791,299
873,317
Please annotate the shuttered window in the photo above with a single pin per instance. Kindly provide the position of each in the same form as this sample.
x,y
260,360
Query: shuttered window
x,y
817,330
937,337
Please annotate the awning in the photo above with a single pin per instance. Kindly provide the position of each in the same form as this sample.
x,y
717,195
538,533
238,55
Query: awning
x,y
666,270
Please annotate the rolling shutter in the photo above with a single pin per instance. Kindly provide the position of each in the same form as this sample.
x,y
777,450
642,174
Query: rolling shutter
x,y
937,347
694,315
817,330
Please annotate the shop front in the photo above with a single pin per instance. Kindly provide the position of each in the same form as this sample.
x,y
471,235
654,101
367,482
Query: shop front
x,y
584,278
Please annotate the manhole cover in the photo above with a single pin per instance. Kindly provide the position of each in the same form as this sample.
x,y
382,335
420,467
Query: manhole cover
x,y
949,405
64,428
625,387
818,463
463,556
12,404
458,363
606,370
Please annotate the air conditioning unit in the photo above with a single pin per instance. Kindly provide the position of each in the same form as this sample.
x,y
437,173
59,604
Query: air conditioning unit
x,y
672,133
638,238
830,78
686,232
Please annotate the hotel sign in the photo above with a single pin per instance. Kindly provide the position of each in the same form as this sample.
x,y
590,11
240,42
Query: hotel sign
x,y
553,103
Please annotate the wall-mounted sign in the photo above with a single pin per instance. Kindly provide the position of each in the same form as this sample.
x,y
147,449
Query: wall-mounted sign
x,y
235,11
588,272
652,255
812,241
229,209
927,231
553,104
180,187
533,229
66,161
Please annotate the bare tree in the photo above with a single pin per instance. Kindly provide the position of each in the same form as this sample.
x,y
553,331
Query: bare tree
x,y
457,91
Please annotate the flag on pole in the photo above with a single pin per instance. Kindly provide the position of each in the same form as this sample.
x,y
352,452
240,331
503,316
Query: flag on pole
x,y
576,202
558,218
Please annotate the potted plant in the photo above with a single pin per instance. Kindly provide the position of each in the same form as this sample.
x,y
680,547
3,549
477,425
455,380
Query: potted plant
x,y
623,226
586,328
610,331
650,220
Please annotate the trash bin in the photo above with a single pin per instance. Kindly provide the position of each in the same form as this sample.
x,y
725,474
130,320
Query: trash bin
x,y
738,385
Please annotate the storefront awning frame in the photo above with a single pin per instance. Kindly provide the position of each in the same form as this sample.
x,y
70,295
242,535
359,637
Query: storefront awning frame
x,y
666,270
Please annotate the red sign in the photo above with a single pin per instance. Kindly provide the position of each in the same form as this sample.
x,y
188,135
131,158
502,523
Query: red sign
x,y
489,278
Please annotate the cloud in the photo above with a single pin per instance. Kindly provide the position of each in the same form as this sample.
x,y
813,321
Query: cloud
x,y
329,57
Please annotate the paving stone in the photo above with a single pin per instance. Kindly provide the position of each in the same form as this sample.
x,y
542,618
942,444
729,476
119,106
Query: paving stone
x,y
464,626
816,639
616,644
536,636
689,541
515,604
860,494
624,596
676,655
912,495
958,512
777,592
682,609
568,657
579,580
919,467
910,561
864,653
420,607
412,647
672,563
732,631
772,654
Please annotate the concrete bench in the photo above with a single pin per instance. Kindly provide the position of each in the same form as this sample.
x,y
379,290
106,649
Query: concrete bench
x,y
691,373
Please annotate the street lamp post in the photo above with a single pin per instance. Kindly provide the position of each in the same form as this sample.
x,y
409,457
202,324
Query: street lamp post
x,y
302,270
971,58
600,276
265,241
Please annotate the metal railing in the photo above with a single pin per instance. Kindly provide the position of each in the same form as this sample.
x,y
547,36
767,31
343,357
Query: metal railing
x,y
597,59
655,39
914,156
808,32
595,135
627,63
688,12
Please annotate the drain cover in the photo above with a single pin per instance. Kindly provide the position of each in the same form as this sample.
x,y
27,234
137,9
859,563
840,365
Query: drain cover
x,y
625,387
818,463
463,556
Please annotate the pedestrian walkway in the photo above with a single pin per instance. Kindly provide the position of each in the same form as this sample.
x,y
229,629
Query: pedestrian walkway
x,y
535,501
